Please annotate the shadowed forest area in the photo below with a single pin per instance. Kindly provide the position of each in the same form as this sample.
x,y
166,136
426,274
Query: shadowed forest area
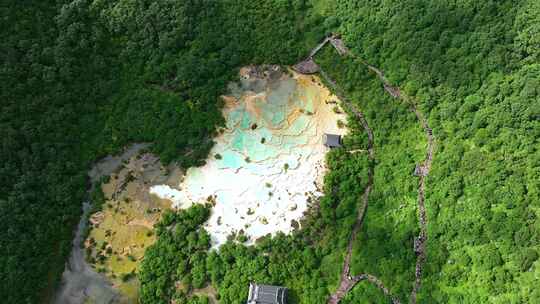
x,y
82,79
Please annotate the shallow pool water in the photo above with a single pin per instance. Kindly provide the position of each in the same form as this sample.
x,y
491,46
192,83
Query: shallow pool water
x,y
269,160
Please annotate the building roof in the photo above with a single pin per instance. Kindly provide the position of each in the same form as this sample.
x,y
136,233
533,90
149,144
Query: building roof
x,y
266,294
308,66
332,140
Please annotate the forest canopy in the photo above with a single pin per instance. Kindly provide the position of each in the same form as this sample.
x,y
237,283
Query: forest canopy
x,y
82,79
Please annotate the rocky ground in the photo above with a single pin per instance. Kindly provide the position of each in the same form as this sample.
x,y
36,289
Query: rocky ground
x,y
121,231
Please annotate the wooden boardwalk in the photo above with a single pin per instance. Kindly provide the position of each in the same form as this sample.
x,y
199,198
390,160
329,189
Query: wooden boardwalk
x,y
308,65
347,282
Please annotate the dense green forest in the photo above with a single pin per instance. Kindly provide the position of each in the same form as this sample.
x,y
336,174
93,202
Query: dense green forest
x,y
473,68
81,79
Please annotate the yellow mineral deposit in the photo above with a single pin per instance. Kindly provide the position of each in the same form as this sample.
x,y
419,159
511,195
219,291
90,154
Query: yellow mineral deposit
x,y
122,231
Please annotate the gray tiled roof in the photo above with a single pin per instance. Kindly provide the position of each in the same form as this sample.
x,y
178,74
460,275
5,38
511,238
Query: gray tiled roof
x,y
267,294
332,140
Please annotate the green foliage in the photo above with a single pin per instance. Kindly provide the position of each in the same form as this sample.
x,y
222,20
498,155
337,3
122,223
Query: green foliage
x,y
471,69
127,276
178,255
80,80
97,198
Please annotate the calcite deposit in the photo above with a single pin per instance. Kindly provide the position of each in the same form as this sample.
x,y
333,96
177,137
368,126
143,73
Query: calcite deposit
x,y
268,161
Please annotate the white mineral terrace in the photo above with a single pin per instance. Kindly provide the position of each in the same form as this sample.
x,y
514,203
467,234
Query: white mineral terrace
x,y
270,157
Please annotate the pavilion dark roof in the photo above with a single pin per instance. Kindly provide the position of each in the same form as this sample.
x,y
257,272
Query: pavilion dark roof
x,y
332,140
266,294
308,66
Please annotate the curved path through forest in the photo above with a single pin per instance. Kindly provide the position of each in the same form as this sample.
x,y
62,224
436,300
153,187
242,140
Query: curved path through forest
x,y
422,171
346,281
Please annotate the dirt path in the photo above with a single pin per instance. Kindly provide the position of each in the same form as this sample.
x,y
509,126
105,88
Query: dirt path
x,y
207,291
346,281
